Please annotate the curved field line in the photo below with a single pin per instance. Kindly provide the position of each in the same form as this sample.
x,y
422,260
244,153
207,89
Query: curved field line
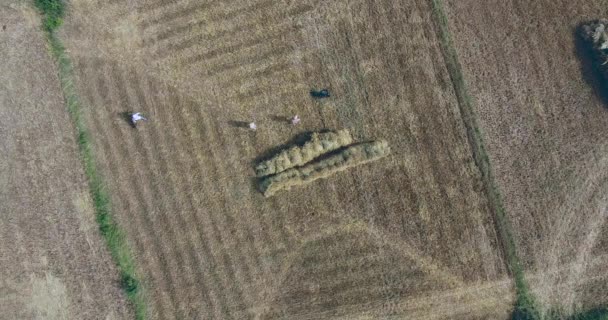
x,y
168,16
145,191
177,31
234,48
166,50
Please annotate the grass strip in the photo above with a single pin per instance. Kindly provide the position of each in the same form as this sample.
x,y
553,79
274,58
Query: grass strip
x,y
526,307
52,11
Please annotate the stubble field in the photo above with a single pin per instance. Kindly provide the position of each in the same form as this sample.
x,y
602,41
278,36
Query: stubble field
x,y
53,262
408,235
545,128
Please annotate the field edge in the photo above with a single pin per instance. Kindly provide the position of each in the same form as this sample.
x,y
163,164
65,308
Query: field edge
x,y
525,304
110,231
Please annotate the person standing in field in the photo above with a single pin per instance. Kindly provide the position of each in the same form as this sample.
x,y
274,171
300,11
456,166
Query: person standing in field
x,y
252,126
135,117
295,120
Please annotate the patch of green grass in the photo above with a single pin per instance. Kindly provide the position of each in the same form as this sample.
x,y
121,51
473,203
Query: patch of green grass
x,y
526,306
53,11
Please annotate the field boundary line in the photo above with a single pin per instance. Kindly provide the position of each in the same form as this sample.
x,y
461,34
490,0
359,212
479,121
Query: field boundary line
x,y
114,236
525,302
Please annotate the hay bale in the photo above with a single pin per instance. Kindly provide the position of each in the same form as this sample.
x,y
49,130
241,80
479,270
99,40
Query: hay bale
x,y
596,34
319,144
349,157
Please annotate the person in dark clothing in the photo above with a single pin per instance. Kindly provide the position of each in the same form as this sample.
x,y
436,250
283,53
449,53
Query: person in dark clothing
x,y
324,93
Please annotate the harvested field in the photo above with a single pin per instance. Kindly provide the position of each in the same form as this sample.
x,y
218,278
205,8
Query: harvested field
x,y
53,262
545,126
411,235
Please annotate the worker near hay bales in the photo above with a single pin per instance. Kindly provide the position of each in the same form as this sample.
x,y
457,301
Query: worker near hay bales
x,y
135,117
324,93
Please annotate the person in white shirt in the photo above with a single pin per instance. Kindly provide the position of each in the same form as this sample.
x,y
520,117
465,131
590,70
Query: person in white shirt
x,y
135,117
295,120
252,126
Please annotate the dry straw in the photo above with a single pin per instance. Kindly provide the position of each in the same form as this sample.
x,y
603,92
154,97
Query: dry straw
x,y
319,144
349,157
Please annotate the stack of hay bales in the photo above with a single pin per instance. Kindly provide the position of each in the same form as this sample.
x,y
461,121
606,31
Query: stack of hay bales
x,y
597,34
319,144
325,166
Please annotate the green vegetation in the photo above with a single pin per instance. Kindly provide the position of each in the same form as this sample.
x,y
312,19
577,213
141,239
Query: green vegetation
x,y
526,307
53,11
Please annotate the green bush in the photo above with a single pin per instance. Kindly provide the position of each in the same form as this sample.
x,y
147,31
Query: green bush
x,y
53,10
129,284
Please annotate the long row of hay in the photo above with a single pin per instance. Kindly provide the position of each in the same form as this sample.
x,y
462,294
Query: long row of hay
x,y
319,144
349,157
597,35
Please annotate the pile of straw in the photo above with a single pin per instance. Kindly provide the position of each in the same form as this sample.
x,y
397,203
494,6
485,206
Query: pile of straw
x,y
346,158
319,144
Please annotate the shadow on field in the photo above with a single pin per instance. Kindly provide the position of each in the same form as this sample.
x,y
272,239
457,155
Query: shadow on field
x,y
590,66
239,124
298,140
126,116
286,120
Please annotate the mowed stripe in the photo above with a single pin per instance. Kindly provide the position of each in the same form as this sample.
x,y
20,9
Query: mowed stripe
x,y
194,295
432,124
168,16
242,246
172,42
213,17
235,48
225,285
175,30
147,193
229,262
261,83
183,142
149,6
155,265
